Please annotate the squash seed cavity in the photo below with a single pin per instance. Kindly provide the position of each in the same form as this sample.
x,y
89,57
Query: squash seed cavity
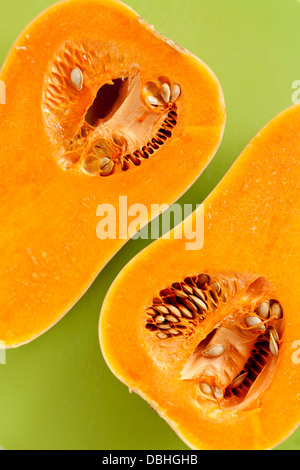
x,y
237,325
112,124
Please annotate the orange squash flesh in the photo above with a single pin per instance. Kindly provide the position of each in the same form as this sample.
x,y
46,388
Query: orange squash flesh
x,y
50,253
252,227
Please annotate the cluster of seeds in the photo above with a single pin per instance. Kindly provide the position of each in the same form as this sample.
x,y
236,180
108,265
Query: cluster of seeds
x,y
161,94
256,363
104,156
162,136
268,314
264,327
180,308
230,358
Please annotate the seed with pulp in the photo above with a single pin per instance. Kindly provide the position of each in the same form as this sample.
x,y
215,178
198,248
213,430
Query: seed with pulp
x,y
185,312
253,321
206,389
190,306
69,159
161,309
213,298
164,327
263,310
218,393
203,279
218,287
239,380
166,92
187,289
199,293
180,294
154,101
176,92
77,78
276,310
150,311
274,348
90,165
103,162
216,350
120,141
160,319
102,149
174,332
107,169
172,318
199,302
162,335
175,310
274,333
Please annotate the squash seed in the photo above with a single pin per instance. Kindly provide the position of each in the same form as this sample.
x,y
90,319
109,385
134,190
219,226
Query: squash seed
x,y
203,279
176,92
274,333
273,344
153,101
239,380
161,309
254,321
107,169
199,303
90,165
276,310
77,78
199,293
218,287
218,393
190,306
69,159
187,289
162,336
164,327
263,310
103,162
160,319
175,310
185,312
174,332
180,294
216,350
151,312
172,318
206,389
166,92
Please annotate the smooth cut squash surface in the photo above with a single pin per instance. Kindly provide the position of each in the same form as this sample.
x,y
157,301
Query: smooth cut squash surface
x,y
225,373
98,105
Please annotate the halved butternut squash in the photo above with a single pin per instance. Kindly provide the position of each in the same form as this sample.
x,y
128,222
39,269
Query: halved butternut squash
x,y
210,338
98,105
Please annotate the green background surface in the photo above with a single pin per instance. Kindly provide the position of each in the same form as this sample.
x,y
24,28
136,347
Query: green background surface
x,y
57,392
